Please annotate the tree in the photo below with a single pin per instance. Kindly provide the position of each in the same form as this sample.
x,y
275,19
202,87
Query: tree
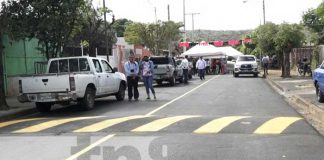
x,y
133,33
92,30
314,20
247,48
289,36
155,36
53,23
119,26
3,24
265,38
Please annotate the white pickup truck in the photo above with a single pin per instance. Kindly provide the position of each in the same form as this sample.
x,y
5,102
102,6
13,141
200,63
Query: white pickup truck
x,y
79,79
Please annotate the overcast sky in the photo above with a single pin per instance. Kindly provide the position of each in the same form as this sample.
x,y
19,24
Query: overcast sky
x,y
214,14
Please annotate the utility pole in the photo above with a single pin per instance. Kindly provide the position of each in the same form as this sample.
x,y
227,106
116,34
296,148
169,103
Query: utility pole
x,y
155,14
170,43
264,21
168,12
106,38
263,9
193,24
184,24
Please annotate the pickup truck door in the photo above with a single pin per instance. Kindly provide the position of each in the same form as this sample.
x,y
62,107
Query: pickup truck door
x,y
100,78
111,79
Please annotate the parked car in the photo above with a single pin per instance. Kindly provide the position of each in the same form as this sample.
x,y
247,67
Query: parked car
x,y
166,69
318,79
80,79
246,64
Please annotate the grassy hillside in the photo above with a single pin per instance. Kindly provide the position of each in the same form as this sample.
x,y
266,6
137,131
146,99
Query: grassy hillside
x,y
211,35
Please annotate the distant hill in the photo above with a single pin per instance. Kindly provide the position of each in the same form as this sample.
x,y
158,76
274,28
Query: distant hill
x,y
213,35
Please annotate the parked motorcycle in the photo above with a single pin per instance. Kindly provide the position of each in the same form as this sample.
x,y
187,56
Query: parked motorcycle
x,y
301,70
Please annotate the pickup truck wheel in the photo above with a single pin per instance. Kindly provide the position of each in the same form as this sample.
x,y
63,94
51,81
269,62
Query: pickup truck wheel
x,y
43,107
120,96
235,75
181,79
255,75
173,80
320,96
88,99
159,82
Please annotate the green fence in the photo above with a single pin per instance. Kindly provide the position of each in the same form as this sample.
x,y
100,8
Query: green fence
x,y
20,57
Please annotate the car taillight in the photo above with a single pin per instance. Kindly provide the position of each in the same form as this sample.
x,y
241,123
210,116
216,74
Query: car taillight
x,y
20,86
72,84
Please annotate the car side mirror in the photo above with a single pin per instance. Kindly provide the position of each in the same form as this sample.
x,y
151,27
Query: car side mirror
x,y
115,69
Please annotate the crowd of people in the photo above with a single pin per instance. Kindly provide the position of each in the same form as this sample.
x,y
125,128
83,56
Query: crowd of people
x,y
144,68
212,66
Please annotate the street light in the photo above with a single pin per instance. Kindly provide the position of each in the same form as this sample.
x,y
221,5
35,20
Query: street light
x,y
263,9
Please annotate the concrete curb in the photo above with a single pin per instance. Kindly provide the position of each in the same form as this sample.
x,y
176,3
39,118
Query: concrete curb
x,y
15,113
312,113
316,112
276,85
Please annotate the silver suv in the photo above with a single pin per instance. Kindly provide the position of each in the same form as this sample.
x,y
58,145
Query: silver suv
x,y
246,64
166,69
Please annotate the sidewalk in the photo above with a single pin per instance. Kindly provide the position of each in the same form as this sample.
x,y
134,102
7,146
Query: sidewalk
x,y
299,91
16,109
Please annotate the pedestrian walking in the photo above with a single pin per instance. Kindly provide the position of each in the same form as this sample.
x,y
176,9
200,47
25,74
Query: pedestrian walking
x,y
265,62
147,69
201,65
207,66
213,66
194,68
131,69
185,68
219,66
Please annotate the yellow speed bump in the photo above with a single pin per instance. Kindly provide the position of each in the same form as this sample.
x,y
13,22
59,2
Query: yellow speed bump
x,y
50,124
217,125
107,123
276,125
160,124
8,123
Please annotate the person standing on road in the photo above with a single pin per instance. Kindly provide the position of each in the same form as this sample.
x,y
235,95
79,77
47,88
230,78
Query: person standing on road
x,y
185,68
147,69
201,65
265,62
131,69
305,65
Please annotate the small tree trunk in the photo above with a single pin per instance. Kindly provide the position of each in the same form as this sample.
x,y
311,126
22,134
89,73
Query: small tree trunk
x,y
3,102
286,66
282,64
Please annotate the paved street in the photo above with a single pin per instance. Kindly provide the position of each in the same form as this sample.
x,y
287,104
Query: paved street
x,y
219,118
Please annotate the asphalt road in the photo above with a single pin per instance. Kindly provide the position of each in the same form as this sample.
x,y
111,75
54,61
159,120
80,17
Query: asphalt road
x,y
219,118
